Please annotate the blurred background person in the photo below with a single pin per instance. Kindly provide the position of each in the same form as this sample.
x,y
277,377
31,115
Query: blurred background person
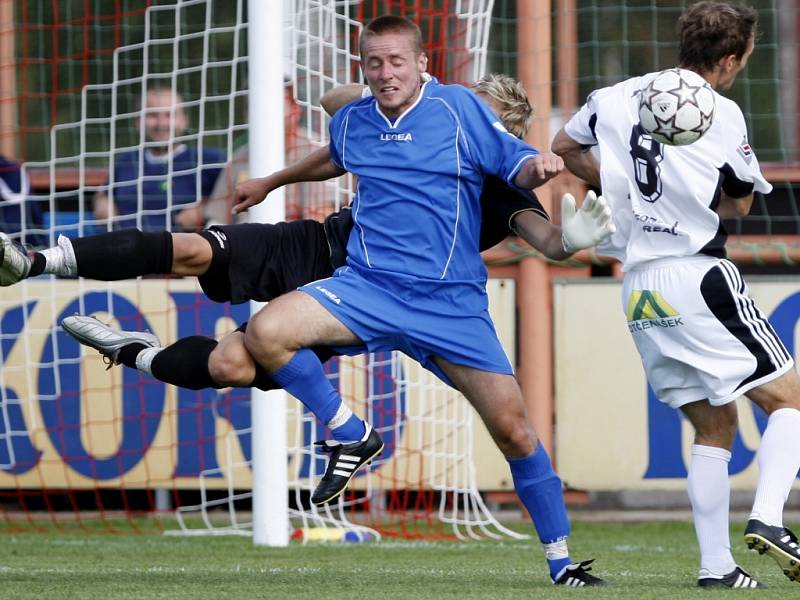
x,y
156,186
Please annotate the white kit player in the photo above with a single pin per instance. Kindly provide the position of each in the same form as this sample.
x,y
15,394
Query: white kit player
x,y
702,340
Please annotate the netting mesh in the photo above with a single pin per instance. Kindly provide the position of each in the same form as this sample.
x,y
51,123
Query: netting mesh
x,y
76,438
72,78
600,42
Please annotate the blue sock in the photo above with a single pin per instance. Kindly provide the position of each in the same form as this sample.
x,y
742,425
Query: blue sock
x,y
304,378
351,430
539,489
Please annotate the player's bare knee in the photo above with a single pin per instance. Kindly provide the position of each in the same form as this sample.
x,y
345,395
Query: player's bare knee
x,y
515,438
266,334
191,254
231,366
719,435
783,392
714,425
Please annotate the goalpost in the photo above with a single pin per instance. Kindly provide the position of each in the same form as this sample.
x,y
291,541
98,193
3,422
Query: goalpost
x,y
268,410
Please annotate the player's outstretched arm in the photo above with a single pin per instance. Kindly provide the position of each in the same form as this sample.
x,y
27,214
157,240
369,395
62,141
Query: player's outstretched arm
x,y
540,233
578,160
580,228
336,98
317,166
539,170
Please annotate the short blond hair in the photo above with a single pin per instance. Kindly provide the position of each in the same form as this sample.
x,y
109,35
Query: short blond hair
x,y
392,24
516,111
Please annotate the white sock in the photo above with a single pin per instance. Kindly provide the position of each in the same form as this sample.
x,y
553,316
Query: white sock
x,y
341,417
145,358
778,462
556,550
60,260
710,494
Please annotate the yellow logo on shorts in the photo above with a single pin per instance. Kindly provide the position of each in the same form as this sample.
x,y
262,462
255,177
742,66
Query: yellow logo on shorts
x,y
650,307
646,304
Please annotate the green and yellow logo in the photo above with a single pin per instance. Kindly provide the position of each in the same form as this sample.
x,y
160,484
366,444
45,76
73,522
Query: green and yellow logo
x,y
647,304
650,307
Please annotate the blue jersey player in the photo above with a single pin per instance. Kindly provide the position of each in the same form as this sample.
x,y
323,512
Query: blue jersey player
x,y
414,280
255,261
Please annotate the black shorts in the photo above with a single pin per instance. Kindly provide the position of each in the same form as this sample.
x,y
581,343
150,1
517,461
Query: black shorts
x,y
257,261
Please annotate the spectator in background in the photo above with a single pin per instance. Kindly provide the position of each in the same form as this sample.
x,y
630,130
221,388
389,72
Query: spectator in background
x,y
159,182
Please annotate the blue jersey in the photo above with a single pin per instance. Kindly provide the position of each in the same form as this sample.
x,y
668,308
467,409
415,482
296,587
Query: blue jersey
x,y
185,178
417,208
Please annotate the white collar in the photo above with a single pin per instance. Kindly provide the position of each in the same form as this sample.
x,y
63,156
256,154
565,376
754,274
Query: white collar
x,y
163,158
406,111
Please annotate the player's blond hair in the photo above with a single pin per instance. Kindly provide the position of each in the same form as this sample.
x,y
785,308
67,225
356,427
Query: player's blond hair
x,y
516,111
391,24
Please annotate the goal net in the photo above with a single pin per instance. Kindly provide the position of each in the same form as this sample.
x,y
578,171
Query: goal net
x,y
77,441
596,44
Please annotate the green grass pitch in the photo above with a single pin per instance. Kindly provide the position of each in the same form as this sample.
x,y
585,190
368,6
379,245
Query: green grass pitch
x,y
641,560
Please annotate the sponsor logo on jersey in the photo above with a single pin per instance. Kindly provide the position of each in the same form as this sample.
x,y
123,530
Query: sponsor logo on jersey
x,y
330,295
396,137
647,309
654,225
745,150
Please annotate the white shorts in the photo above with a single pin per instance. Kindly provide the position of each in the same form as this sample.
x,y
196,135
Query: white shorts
x,y
698,331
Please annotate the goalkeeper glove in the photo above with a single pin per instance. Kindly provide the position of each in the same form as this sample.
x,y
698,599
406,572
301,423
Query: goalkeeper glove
x,y
586,226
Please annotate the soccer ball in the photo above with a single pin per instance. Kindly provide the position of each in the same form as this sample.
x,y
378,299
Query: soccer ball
x,y
677,107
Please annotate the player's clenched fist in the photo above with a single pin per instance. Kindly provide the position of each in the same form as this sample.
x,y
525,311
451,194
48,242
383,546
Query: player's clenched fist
x,y
548,165
539,170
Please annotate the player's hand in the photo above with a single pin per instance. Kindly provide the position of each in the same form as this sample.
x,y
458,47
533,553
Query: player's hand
x,y
251,192
543,167
587,226
191,217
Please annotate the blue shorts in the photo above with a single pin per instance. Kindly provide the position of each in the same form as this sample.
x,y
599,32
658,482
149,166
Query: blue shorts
x,y
421,318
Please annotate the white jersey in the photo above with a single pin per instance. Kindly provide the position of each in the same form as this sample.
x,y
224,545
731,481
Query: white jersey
x,y
664,198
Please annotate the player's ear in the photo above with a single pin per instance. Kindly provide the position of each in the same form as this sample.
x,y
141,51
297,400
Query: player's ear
x,y
728,62
423,62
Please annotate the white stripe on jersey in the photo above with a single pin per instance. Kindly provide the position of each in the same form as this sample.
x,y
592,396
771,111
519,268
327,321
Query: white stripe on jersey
x,y
458,207
361,229
458,216
518,167
344,137
458,182
344,164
